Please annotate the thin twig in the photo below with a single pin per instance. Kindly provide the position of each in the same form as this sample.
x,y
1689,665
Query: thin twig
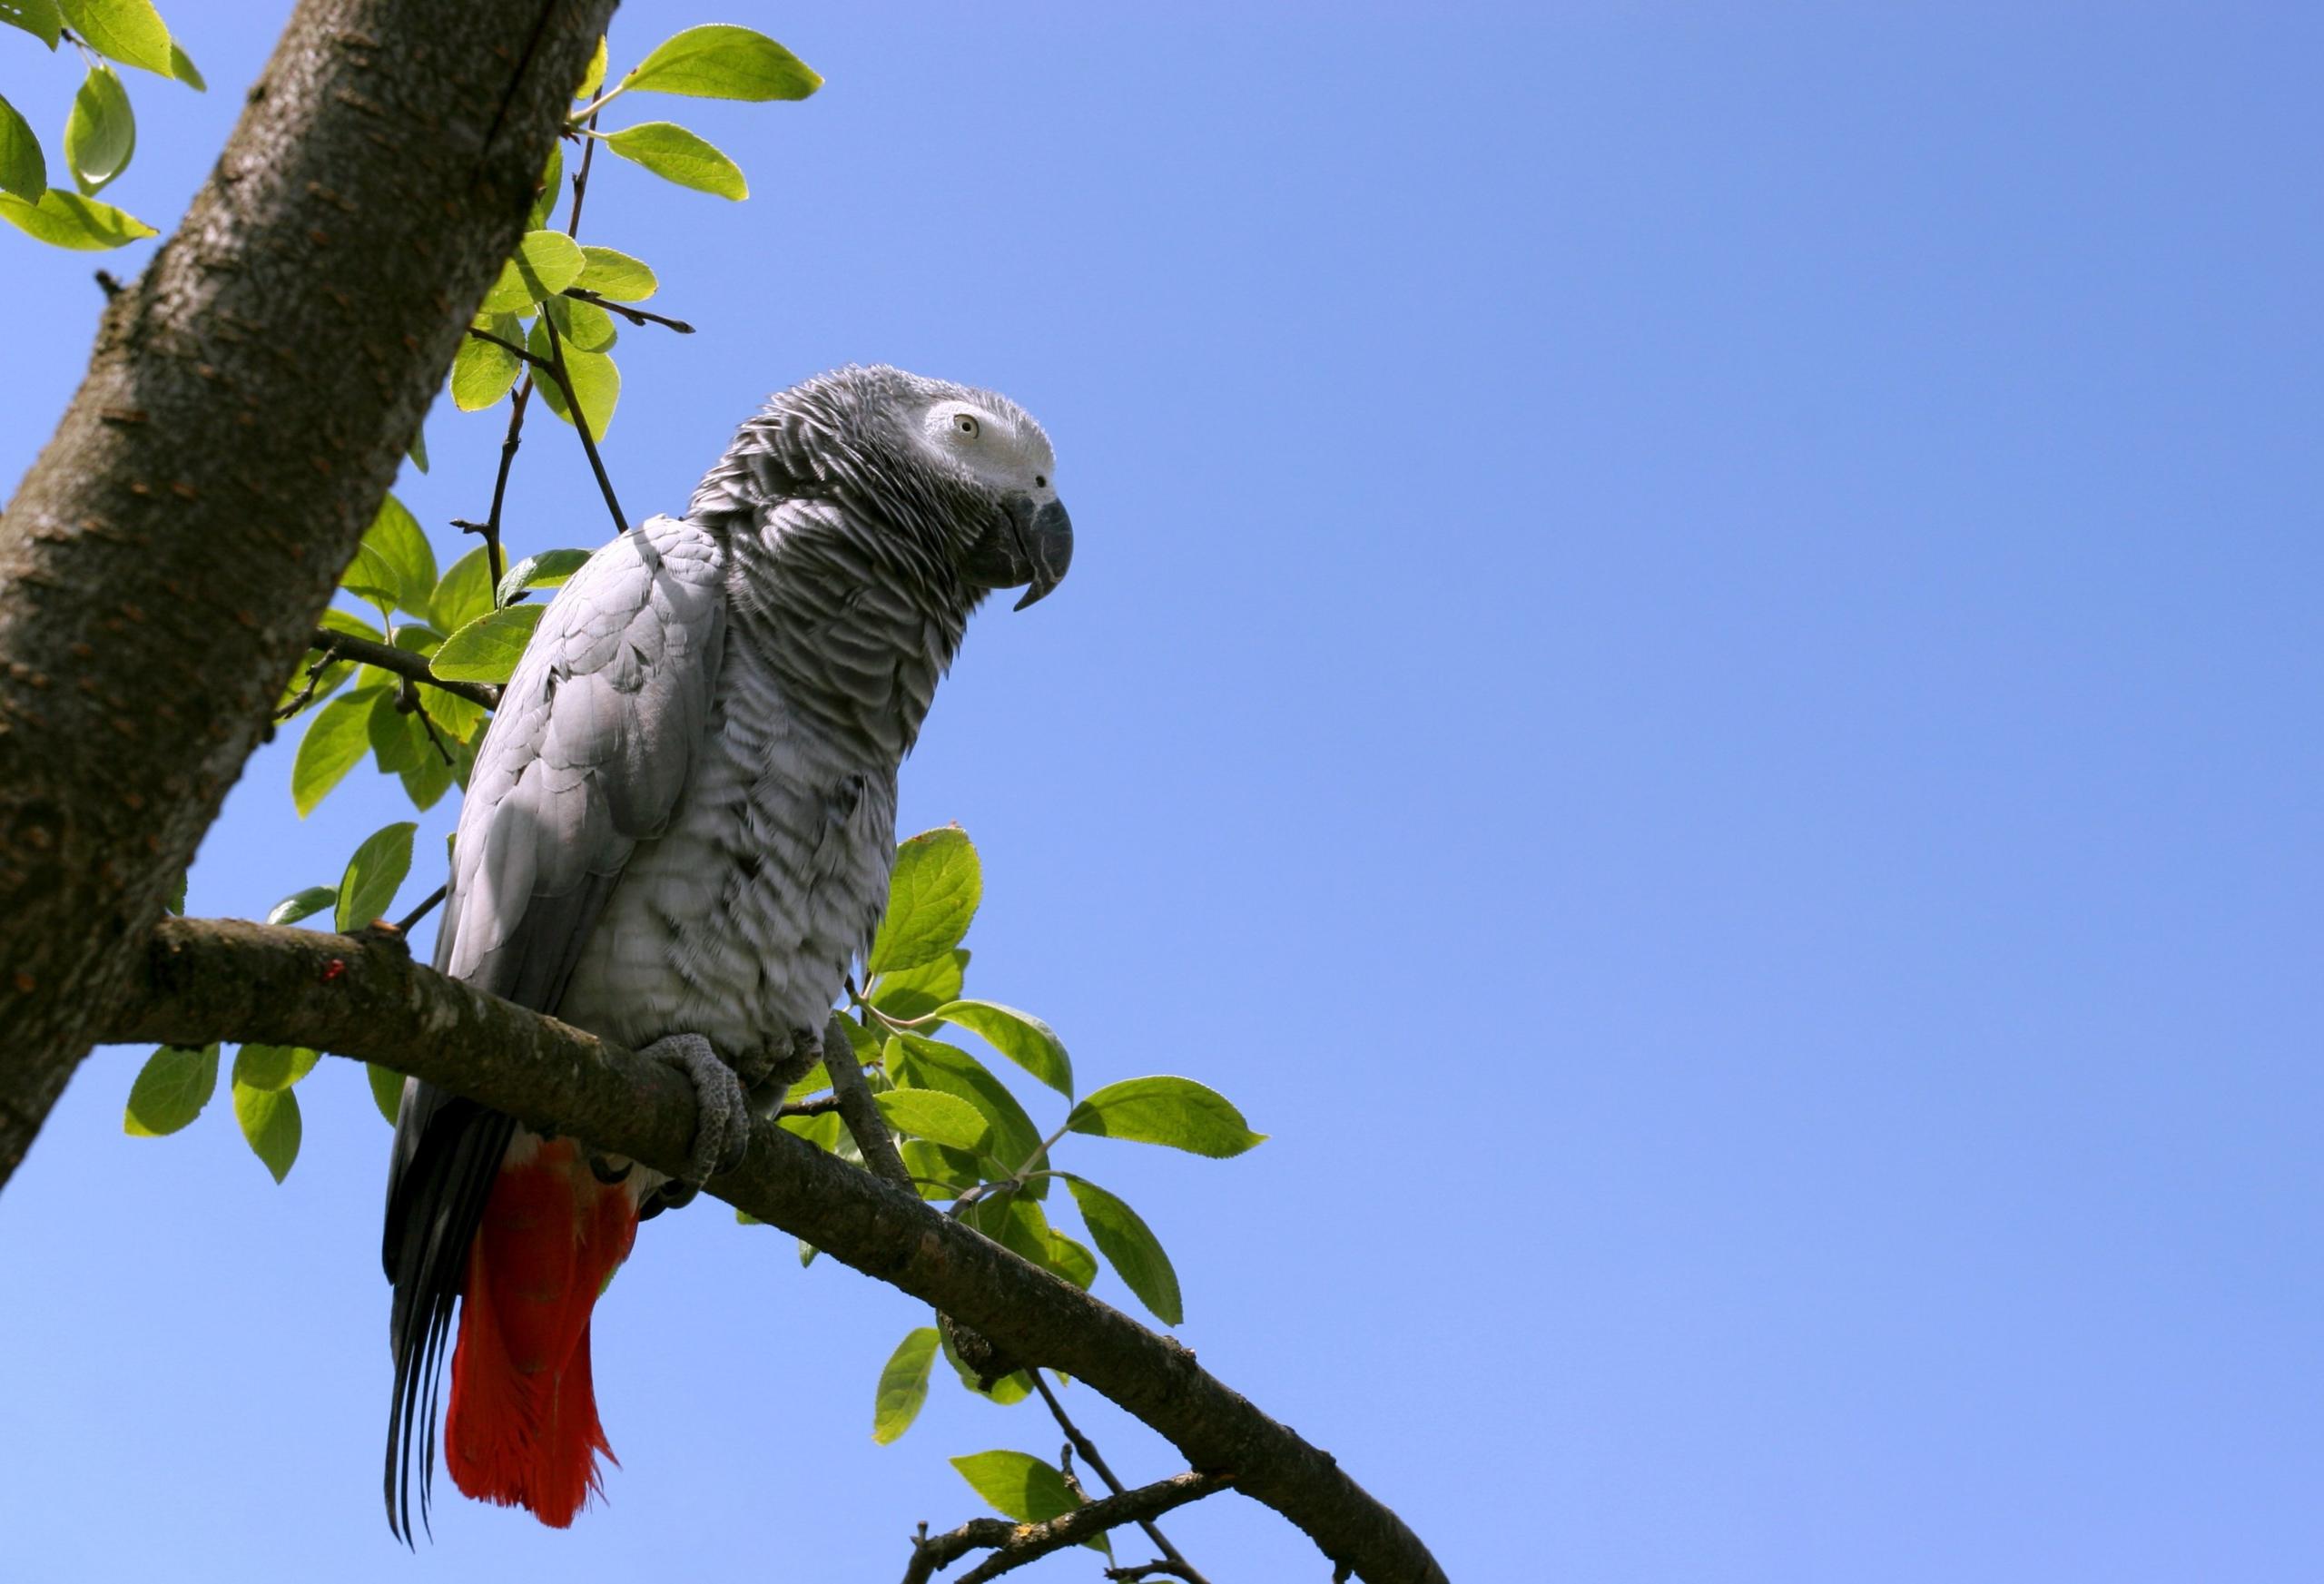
x,y
1146,1570
400,662
817,1106
862,1113
505,345
408,701
404,925
581,176
1015,1544
581,420
1089,1455
490,526
635,315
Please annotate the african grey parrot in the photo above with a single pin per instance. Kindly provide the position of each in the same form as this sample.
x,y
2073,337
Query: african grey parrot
x,y
677,835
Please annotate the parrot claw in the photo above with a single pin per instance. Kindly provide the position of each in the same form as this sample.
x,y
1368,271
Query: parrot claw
x,y
722,1128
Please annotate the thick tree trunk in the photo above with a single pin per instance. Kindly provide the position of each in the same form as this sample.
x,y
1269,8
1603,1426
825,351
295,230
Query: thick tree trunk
x,y
244,411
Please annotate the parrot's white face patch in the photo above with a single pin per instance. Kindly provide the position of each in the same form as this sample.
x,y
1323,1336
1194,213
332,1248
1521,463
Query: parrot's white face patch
x,y
1001,451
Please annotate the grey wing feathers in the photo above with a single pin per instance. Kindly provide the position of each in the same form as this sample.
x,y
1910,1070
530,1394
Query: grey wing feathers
x,y
586,757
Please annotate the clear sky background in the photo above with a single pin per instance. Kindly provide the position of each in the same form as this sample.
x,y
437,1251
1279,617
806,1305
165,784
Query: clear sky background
x,y
1691,669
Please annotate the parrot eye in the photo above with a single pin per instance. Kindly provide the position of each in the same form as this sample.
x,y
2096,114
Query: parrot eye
x,y
1041,481
965,424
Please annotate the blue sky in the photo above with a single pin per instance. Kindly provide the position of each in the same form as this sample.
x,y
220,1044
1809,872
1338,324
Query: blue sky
x,y
1691,670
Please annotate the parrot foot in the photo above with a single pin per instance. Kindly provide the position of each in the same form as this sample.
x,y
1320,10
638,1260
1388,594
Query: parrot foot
x,y
722,1128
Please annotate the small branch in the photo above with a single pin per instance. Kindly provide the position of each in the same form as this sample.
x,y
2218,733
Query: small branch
x,y
580,419
581,176
1088,1450
402,663
815,1108
635,315
404,925
408,701
505,345
1015,1544
861,1112
490,526
1148,1570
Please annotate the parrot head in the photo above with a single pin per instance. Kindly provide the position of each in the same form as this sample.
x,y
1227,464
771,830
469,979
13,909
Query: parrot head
x,y
1000,467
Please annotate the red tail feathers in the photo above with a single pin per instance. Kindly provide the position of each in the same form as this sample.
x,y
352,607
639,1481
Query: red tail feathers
x,y
522,1427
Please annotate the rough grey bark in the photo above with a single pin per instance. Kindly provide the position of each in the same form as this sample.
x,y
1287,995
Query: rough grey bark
x,y
210,978
244,410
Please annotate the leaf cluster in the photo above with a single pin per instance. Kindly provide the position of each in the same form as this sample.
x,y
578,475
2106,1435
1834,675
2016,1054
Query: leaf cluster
x,y
100,132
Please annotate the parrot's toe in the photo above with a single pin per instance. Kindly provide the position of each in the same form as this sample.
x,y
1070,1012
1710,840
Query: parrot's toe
x,y
722,1128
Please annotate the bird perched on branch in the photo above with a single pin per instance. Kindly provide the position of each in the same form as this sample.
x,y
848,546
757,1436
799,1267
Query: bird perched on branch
x,y
677,835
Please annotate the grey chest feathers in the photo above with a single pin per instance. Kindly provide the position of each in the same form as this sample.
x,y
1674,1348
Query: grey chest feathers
x,y
739,922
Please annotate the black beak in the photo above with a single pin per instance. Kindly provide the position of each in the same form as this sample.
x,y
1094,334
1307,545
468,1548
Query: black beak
x,y
1045,539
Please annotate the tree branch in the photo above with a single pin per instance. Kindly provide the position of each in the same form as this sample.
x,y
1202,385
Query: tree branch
x,y
210,978
1015,1544
1087,1450
402,663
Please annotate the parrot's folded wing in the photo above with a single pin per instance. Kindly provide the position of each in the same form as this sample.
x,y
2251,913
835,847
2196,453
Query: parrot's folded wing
x,y
586,757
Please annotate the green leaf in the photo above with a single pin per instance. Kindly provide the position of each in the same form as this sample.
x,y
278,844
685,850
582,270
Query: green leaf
x,y
1013,1221
101,134
931,1064
482,370
943,1174
455,717
914,992
175,1083
303,904
464,595
595,381
1178,1112
487,648
581,324
67,220
903,1385
333,744
617,275
387,1090
182,68
38,17
932,896
1070,1260
1020,1037
129,31
822,1130
270,1119
549,569
398,740
353,625
176,903
395,538
1130,1247
374,874
273,1067
426,780
24,168
1018,1485
545,201
545,263
595,77
418,451
935,1115
675,154
719,61
372,576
